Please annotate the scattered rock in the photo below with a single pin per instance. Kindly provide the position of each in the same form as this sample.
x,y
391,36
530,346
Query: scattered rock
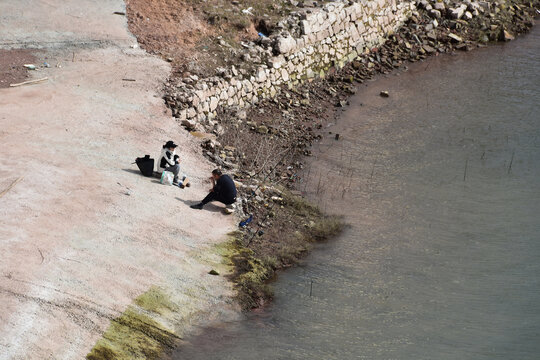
x,y
506,36
455,38
458,12
189,124
429,49
213,272
384,94
436,14
439,5
262,129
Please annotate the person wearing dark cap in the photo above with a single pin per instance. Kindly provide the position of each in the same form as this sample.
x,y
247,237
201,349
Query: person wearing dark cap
x,y
169,161
223,190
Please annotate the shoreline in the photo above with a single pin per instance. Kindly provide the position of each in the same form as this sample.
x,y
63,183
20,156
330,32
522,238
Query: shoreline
x,y
305,112
379,266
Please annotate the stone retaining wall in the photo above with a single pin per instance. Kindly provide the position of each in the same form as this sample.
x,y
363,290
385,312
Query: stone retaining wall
x,y
312,43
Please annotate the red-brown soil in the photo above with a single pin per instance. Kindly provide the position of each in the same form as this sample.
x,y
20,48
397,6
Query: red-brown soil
x,y
190,34
165,27
11,66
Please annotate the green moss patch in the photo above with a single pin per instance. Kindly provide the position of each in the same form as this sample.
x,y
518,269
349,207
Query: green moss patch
x,y
156,300
136,334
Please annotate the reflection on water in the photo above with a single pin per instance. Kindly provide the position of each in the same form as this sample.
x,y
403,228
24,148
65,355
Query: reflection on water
x,y
441,185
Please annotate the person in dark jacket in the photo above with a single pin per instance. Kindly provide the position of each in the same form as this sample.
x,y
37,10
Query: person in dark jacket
x,y
223,190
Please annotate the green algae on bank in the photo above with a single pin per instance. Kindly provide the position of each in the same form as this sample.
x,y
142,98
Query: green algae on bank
x,y
256,258
135,334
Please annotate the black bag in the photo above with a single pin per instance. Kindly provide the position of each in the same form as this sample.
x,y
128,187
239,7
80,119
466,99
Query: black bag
x,y
146,165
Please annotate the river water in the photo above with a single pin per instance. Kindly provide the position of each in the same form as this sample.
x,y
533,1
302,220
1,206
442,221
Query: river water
x,y
441,185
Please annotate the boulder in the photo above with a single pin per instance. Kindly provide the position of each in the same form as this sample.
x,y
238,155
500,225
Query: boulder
x,y
262,129
422,4
439,5
283,45
435,14
276,61
484,6
242,115
506,36
458,12
429,49
191,112
213,103
189,124
455,38
305,26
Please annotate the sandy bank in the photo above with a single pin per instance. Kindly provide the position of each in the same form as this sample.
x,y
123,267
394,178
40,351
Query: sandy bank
x,y
83,233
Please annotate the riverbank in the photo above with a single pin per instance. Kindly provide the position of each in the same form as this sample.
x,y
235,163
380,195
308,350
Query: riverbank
x,y
440,257
264,145
296,118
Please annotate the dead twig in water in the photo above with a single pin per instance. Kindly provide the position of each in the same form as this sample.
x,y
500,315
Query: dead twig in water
x,y
11,186
465,171
511,161
373,169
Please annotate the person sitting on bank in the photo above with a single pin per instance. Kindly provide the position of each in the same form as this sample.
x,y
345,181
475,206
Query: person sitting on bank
x,y
223,190
169,161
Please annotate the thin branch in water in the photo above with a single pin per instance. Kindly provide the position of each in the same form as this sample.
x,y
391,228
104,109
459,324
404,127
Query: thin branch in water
x,y
511,161
319,184
373,169
465,171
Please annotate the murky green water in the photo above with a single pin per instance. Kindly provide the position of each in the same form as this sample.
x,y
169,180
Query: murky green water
x,y
441,185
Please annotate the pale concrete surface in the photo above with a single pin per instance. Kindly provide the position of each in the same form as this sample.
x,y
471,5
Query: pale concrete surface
x,y
83,234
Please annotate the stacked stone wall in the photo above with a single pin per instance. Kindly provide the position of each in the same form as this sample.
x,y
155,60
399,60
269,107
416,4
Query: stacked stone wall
x,y
330,36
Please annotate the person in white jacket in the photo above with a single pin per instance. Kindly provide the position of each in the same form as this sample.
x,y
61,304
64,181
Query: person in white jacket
x,y
169,161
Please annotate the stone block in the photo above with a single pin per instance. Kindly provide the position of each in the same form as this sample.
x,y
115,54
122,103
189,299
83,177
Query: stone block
x,y
284,45
213,103
276,62
305,27
190,113
181,114
205,107
331,19
223,95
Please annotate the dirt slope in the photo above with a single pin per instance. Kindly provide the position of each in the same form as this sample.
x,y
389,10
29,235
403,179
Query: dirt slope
x,y
82,233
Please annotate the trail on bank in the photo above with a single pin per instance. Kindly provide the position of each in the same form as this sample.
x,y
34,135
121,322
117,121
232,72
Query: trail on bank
x,y
82,233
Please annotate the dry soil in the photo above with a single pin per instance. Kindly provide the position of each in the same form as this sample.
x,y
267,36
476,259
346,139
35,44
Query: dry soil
x,y
82,232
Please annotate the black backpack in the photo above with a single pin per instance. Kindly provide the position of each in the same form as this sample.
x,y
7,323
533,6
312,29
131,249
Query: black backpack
x,y
146,165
